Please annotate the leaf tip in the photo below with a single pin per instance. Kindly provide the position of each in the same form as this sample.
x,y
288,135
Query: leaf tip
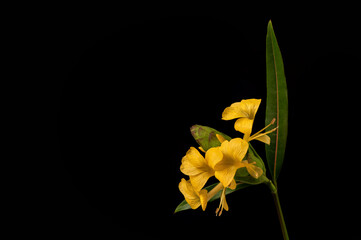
x,y
193,128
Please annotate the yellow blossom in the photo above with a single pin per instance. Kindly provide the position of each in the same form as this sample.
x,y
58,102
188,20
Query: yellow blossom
x,y
253,170
246,111
230,154
197,198
193,197
198,168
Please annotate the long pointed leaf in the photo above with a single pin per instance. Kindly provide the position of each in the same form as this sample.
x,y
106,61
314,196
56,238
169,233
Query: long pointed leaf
x,y
277,103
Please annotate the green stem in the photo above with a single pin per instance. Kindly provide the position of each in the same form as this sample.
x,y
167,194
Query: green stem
x,y
279,209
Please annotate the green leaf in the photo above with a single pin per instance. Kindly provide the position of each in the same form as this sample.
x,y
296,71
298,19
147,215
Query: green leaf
x,y
185,206
276,104
206,136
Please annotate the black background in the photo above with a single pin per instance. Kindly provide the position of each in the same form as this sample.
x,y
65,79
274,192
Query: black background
x,y
128,89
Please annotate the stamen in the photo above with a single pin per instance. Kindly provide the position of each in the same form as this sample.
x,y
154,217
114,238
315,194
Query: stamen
x,y
220,213
272,122
254,136
220,207
219,210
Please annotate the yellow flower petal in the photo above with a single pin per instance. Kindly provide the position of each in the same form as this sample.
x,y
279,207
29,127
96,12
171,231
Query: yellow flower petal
x,y
199,180
203,199
265,139
234,111
226,175
227,159
237,148
224,164
195,157
213,156
244,125
188,168
250,106
233,185
193,163
193,197
189,194
244,109
233,153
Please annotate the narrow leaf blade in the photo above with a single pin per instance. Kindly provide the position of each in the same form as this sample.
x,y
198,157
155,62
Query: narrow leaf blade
x,y
277,103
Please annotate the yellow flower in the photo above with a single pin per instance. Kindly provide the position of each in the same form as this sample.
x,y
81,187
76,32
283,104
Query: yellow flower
x,y
253,170
198,168
231,154
246,111
197,198
193,197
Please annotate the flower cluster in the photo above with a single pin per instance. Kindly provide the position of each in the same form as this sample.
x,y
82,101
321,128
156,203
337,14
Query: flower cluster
x,y
222,162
